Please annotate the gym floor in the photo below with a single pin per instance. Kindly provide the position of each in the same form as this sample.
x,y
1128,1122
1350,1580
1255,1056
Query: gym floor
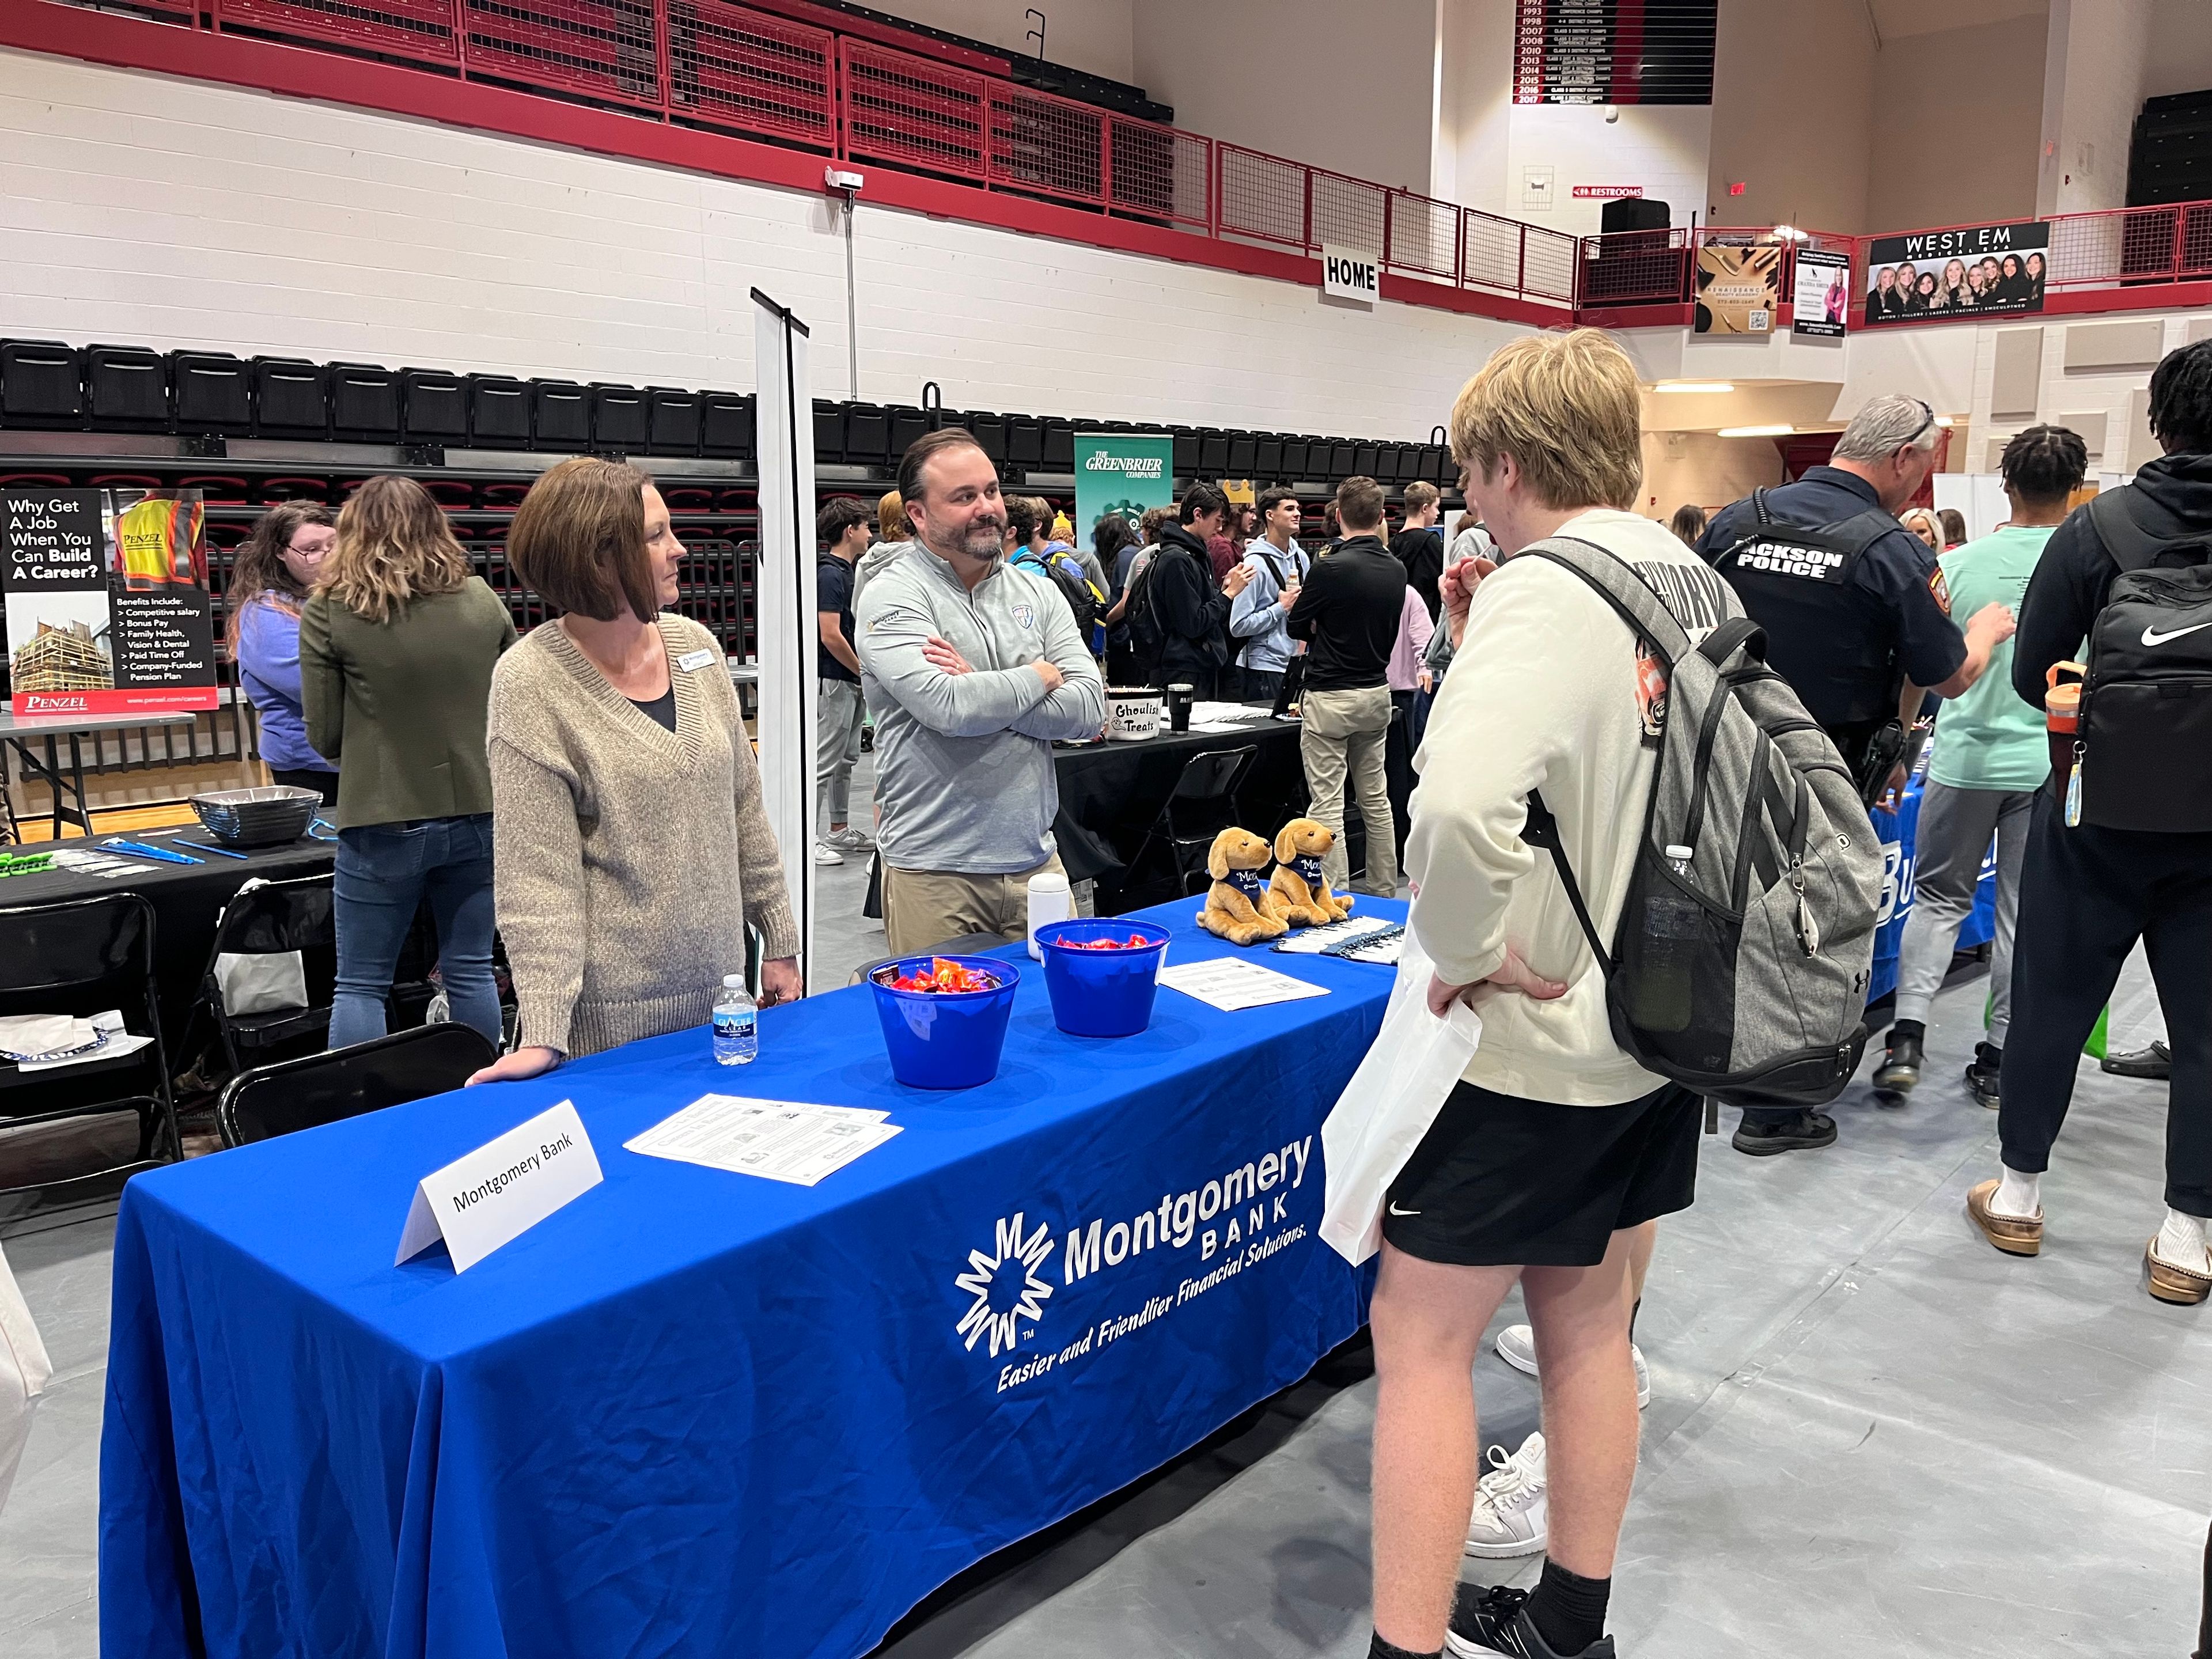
x,y
1869,1434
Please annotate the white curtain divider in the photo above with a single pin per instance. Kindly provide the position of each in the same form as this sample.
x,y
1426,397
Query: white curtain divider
x,y
784,600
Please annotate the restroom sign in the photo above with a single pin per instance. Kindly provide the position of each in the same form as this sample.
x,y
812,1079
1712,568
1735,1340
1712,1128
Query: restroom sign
x,y
1348,274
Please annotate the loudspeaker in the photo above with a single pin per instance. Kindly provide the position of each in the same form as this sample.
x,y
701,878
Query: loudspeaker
x,y
1634,213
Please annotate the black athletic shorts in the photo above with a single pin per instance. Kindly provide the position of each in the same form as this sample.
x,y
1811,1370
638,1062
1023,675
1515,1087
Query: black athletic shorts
x,y
1501,1182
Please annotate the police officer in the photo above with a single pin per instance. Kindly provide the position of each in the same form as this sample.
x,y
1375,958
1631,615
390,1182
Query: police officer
x,y
1857,619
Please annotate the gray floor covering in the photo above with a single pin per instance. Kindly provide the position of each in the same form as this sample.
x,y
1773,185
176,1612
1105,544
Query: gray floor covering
x,y
1869,1434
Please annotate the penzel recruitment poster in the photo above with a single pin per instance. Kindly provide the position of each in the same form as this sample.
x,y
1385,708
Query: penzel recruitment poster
x,y
1935,276
1120,472
106,601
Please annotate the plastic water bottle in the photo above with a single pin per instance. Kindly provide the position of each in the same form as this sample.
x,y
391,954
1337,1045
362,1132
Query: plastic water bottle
x,y
737,1024
1051,900
1671,923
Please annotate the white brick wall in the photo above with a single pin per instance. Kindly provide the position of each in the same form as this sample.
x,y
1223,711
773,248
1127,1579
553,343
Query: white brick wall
x,y
140,210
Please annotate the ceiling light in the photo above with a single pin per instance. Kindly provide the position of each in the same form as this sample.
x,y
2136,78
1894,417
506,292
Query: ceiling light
x,y
1695,385
1789,233
1943,420
1781,431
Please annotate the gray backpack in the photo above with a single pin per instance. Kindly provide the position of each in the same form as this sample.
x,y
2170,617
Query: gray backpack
x,y
1740,968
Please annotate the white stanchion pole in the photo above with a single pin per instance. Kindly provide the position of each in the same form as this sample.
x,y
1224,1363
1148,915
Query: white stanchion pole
x,y
784,600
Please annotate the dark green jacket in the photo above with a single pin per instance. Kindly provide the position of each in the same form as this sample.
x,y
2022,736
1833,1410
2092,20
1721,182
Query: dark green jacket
x,y
400,706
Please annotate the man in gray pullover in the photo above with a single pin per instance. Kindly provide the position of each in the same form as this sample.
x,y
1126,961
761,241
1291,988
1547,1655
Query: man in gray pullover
x,y
972,668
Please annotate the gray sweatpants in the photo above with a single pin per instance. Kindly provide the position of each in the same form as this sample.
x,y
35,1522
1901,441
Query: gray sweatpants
x,y
837,714
1956,826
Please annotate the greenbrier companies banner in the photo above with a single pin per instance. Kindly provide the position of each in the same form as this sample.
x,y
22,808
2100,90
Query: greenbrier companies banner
x,y
1120,472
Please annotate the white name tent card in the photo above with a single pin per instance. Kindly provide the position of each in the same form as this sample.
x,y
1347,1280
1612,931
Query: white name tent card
x,y
499,1191
1227,983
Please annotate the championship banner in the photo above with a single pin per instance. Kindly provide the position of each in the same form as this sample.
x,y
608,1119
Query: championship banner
x,y
1820,295
108,601
1120,472
1738,289
1935,276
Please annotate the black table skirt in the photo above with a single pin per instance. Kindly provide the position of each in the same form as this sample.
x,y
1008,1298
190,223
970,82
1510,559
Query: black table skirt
x,y
186,900
1111,794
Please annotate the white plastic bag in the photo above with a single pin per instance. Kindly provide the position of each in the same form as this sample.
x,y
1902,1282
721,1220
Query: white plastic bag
x,y
1389,1105
24,1369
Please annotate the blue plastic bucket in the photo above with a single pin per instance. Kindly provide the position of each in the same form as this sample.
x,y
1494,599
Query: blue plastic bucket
x,y
944,1039
1105,994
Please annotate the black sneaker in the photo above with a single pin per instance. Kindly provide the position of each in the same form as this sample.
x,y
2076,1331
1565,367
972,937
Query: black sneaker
x,y
1899,1070
2156,1062
1982,1074
1495,1620
1805,1131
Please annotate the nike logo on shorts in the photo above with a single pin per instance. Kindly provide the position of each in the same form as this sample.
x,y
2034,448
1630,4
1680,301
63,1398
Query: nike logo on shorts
x,y
1395,1210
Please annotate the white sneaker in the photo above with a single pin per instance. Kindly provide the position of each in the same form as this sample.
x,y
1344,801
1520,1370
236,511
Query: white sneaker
x,y
850,839
1517,1347
1509,1505
825,854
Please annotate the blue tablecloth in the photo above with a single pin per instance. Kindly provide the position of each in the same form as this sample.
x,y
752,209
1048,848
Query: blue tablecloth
x,y
693,1413
1897,830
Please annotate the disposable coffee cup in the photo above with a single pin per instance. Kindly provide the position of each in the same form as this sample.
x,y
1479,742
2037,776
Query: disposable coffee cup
x,y
1180,698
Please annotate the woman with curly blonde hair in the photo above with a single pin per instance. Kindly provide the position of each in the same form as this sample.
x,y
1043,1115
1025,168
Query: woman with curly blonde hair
x,y
396,645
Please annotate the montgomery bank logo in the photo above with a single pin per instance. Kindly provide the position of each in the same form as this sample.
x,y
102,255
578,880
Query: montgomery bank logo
x,y
1231,1221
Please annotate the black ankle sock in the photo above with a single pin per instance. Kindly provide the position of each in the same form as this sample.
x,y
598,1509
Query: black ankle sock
x,y
1379,1648
1912,1028
1569,1610
1634,1308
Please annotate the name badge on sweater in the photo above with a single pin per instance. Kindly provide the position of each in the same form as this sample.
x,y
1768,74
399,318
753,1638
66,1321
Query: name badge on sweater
x,y
694,660
491,1196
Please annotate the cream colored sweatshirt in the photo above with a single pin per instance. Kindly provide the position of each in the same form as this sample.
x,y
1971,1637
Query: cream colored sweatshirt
x,y
627,858
1542,695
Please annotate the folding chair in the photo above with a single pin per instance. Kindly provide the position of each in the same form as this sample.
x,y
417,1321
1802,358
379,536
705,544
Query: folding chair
x,y
1203,803
84,957
315,1089
271,920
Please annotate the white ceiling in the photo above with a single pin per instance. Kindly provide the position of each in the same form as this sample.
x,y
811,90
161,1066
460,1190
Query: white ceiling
x,y
1897,19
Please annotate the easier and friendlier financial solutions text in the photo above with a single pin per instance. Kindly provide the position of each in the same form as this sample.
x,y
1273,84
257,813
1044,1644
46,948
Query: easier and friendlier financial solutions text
x,y
1174,1223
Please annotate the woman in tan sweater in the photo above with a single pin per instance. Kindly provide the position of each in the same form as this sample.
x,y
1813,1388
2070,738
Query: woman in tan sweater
x,y
632,847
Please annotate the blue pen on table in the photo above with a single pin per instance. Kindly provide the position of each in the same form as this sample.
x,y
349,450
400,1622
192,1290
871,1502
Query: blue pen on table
x,y
204,847
161,855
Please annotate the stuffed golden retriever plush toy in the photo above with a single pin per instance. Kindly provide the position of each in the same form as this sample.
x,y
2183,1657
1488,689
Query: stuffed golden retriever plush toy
x,y
1299,888
1238,907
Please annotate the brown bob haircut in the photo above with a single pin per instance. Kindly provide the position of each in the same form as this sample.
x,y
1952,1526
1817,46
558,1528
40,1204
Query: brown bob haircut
x,y
578,540
890,518
1359,504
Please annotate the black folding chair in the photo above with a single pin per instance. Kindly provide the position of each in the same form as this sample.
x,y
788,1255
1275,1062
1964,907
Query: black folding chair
x,y
280,916
1203,803
84,957
386,1071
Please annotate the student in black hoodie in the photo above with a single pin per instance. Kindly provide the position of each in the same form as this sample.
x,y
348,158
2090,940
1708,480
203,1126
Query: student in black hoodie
x,y
1190,613
2088,891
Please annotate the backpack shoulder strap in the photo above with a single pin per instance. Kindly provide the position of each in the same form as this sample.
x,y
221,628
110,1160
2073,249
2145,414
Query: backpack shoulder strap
x,y
1618,584
1542,830
2132,546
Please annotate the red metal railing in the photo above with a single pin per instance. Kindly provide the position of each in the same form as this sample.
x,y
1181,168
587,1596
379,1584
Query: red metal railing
x,y
724,65
719,64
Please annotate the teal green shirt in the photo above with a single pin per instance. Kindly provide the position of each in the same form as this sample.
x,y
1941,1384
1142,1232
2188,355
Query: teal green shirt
x,y
1988,738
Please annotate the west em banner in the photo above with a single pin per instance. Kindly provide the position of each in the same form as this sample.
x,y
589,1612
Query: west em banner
x,y
1936,276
